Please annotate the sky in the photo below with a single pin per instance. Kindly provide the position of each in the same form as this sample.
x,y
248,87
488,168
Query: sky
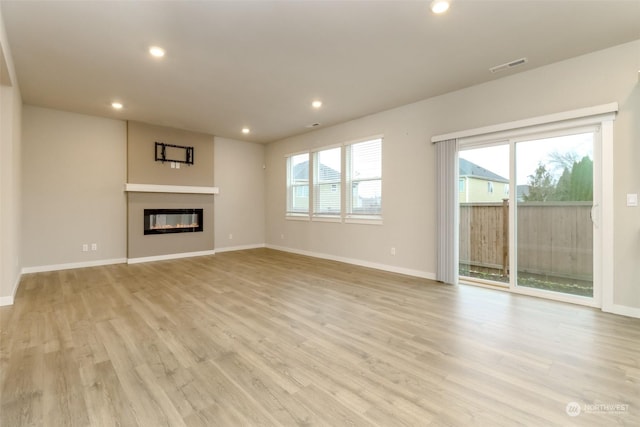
x,y
529,154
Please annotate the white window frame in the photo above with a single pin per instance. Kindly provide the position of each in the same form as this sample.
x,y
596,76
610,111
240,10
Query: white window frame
x,y
289,213
326,216
343,215
349,216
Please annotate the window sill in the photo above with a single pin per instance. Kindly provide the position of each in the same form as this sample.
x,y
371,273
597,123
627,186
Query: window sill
x,y
369,221
297,217
326,218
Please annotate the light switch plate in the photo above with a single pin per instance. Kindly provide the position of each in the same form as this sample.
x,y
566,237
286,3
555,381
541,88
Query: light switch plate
x,y
632,199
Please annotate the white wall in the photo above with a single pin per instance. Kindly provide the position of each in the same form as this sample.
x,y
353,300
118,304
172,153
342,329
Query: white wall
x,y
239,208
408,192
10,151
73,175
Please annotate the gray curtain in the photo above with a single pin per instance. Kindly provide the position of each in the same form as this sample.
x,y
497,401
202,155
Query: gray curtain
x,y
447,208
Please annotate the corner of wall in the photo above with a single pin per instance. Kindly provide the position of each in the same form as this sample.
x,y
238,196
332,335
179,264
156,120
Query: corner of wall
x,y
240,208
10,172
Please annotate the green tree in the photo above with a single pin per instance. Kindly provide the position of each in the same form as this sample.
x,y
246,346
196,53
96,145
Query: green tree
x,y
563,187
541,185
575,184
582,180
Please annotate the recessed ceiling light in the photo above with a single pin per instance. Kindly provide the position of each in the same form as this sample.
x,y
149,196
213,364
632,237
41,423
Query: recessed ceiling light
x,y
117,105
439,6
246,130
156,51
316,104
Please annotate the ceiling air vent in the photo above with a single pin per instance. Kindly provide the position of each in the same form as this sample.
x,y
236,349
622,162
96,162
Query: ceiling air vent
x,y
508,65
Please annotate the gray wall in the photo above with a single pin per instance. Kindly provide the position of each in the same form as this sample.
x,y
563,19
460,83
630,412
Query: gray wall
x,y
10,165
408,162
141,245
76,163
142,168
240,207
73,179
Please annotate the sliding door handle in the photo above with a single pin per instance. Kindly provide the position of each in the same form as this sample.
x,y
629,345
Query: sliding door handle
x,y
592,214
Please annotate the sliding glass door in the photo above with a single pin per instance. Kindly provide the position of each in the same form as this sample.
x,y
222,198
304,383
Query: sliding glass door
x,y
527,212
554,209
483,195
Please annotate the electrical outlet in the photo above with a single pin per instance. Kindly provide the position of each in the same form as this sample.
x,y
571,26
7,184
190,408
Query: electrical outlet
x,y
282,236
230,236
85,247
94,246
393,251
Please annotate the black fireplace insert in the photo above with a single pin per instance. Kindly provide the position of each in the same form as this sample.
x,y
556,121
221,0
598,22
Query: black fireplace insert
x,y
162,221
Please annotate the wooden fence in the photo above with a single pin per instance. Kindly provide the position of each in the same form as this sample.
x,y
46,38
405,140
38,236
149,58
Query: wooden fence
x,y
554,238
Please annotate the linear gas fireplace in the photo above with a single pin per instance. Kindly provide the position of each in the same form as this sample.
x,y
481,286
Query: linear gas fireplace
x,y
162,221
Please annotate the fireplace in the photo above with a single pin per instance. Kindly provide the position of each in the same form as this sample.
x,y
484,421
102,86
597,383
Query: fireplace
x,y
162,221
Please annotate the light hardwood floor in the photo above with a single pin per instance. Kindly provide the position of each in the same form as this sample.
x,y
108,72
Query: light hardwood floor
x,y
262,337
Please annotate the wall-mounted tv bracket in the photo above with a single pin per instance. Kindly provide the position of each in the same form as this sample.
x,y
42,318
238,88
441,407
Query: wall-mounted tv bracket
x,y
161,153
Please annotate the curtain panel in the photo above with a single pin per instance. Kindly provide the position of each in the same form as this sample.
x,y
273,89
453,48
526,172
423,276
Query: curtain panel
x,y
447,212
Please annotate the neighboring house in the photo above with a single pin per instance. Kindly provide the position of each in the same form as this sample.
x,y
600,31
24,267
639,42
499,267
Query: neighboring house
x,y
327,184
477,184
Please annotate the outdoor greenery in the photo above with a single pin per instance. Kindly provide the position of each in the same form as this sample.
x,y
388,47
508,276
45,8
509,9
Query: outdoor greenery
x,y
575,183
564,177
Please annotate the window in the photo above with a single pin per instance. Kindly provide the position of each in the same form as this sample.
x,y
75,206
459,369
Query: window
x,y
326,181
506,189
336,183
364,179
489,187
302,191
298,184
461,185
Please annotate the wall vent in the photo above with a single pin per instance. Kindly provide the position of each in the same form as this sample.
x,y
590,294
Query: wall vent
x,y
511,64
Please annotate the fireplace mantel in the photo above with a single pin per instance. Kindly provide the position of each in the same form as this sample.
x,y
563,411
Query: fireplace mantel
x,y
152,188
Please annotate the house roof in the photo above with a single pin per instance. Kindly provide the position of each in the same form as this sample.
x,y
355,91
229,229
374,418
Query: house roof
x,y
301,172
468,168
259,64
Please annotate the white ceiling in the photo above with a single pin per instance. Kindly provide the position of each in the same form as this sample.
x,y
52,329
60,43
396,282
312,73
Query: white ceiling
x,y
259,64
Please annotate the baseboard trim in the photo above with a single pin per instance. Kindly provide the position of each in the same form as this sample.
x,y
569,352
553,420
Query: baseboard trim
x,y
622,310
10,299
240,248
69,266
361,263
169,256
